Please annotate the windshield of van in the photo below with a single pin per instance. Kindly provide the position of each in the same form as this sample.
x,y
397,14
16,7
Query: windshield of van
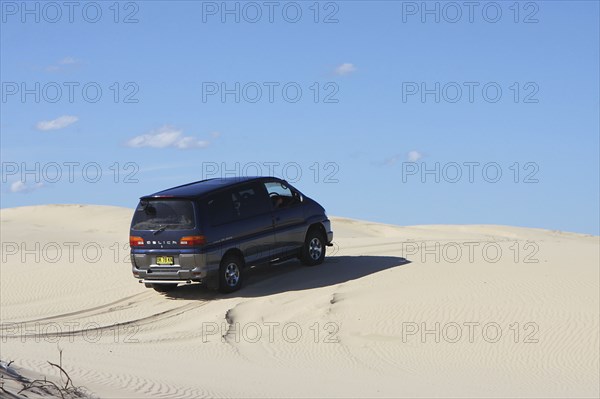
x,y
163,214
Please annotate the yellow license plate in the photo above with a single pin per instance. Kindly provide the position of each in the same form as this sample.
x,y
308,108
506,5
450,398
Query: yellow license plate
x,y
165,260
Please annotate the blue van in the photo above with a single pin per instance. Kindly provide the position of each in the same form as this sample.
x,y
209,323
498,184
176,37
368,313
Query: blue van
x,y
212,230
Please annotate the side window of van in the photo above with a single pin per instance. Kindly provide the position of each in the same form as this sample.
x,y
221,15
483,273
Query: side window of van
x,y
220,209
238,203
281,196
249,201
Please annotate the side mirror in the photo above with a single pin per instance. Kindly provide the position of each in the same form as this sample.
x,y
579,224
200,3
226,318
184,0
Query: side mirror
x,y
298,196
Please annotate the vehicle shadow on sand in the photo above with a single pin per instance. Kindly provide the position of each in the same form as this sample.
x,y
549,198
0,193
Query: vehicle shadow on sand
x,y
293,276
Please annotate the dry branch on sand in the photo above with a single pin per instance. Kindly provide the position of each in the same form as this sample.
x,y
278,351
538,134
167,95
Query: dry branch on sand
x,y
41,387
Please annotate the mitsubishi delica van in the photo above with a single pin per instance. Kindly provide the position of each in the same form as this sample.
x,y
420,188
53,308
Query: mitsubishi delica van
x,y
211,231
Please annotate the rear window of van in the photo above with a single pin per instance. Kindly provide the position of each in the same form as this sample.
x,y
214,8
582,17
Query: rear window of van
x,y
164,214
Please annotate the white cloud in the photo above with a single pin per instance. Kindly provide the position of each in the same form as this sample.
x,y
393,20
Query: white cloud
x,y
414,156
215,135
167,136
391,161
63,64
411,156
345,69
191,142
68,61
20,187
58,123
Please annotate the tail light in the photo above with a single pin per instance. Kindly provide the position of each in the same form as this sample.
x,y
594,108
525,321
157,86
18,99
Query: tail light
x,y
135,241
192,241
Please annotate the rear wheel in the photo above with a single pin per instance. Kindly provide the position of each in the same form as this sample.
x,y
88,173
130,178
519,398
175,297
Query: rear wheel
x,y
313,250
230,273
164,287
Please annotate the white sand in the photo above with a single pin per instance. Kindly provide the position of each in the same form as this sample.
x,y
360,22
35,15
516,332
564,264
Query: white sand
x,y
371,300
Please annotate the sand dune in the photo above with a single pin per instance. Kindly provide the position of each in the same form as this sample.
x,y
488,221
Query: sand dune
x,y
393,312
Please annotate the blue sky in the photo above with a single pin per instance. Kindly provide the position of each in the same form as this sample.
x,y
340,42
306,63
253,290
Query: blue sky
x,y
360,147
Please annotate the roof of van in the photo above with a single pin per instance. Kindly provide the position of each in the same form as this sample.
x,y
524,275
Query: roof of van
x,y
201,187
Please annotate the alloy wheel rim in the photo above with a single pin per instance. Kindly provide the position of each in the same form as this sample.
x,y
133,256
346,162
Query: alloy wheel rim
x,y
315,249
232,274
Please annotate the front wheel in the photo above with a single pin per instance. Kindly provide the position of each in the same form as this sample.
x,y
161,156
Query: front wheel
x,y
313,250
230,274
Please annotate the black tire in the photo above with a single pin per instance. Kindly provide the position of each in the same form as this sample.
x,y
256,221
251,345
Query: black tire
x,y
314,248
230,273
164,287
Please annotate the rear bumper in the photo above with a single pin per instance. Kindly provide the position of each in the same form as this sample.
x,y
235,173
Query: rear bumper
x,y
186,282
187,267
173,275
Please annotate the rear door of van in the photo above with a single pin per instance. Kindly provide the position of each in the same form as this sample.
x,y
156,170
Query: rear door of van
x,y
165,232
